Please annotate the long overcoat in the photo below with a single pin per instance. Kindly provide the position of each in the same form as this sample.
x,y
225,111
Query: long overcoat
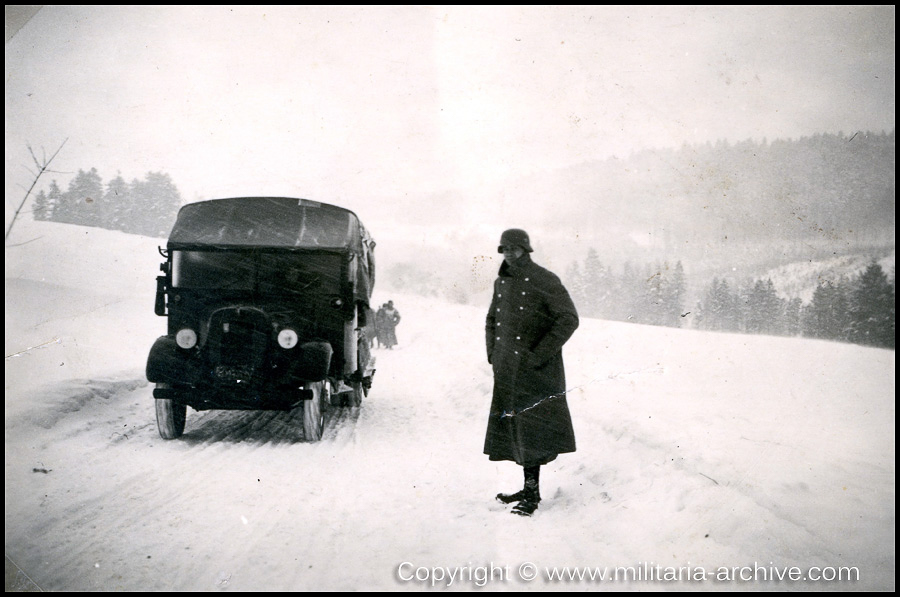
x,y
530,318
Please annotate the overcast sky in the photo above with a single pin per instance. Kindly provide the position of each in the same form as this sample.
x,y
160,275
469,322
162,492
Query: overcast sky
x,y
354,105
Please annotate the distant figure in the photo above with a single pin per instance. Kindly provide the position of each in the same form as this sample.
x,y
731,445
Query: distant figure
x,y
391,318
530,318
380,334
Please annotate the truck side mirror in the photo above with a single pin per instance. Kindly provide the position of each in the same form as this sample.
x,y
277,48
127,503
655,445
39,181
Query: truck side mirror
x,y
160,307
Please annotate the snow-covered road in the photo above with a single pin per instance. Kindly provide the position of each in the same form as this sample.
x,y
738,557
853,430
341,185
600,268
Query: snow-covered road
x,y
697,451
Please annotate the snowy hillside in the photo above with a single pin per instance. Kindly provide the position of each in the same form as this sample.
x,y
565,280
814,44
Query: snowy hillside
x,y
731,456
800,279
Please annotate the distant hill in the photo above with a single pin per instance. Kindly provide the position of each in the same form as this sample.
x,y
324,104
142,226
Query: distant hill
x,y
824,190
799,279
746,210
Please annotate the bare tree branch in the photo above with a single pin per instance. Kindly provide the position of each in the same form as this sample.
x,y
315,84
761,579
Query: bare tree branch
x,y
36,162
42,167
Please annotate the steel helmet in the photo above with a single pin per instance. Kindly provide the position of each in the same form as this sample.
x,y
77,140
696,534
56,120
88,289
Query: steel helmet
x,y
515,237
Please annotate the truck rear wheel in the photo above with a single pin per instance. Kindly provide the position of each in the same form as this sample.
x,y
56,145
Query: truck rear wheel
x,y
314,411
170,417
357,395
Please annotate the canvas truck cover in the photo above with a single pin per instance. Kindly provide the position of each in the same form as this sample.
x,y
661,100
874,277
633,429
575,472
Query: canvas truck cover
x,y
277,223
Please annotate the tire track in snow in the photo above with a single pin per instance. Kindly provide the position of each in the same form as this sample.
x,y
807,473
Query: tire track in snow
x,y
202,512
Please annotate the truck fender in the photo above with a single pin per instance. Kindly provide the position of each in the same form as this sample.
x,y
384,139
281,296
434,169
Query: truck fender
x,y
315,360
167,363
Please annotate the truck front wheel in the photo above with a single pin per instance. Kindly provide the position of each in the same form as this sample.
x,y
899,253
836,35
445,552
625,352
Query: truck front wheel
x,y
314,411
170,417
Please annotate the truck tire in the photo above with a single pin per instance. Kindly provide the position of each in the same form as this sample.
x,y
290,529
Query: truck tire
x,y
314,411
170,417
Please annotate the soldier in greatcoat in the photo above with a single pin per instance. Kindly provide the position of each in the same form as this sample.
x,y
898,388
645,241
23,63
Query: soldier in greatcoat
x,y
380,333
530,318
391,319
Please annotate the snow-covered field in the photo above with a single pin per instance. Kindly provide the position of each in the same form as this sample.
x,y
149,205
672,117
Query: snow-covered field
x,y
735,457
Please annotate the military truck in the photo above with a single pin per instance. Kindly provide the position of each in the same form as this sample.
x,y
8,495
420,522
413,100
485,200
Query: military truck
x,y
265,300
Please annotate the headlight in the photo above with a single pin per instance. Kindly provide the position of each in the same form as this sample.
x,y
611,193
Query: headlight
x,y
287,338
186,338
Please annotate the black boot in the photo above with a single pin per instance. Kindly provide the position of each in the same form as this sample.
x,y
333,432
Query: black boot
x,y
529,503
508,498
530,472
529,496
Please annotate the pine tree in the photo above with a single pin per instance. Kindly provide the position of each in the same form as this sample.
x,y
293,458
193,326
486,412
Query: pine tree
x,y
871,309
642,294
78,205
605,289
575,284
653,295
792,311
148,207
54,198
699,316
41,209
114,200
673,296
624,301
161,207
593,284
828,315
719,308
765,310
743,319
774,306
131,211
